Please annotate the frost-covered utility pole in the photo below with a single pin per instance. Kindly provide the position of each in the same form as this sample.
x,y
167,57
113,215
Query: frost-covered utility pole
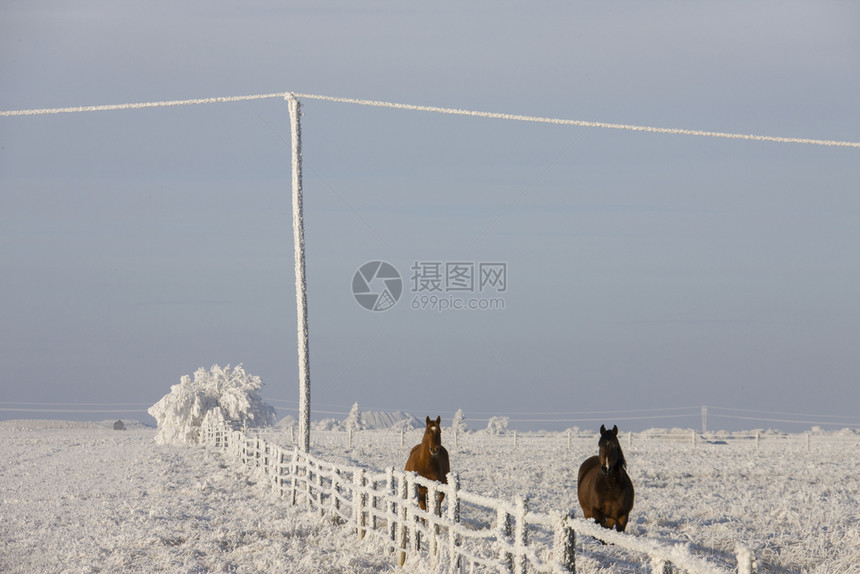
x,y
301,285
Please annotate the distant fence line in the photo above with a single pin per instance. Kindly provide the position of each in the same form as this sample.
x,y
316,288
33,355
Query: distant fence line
x,y
472,533
515,439
660,417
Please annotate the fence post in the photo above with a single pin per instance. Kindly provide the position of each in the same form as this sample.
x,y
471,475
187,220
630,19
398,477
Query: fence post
x,y
564,544
238,445
373,501
503,534
402,495
261,453
757,437
272,465
294,468
411,503
359,499
516,441
320,489
335,491
389,504
280,472
746,560
453,519
308,485
521,536
434,508
402,437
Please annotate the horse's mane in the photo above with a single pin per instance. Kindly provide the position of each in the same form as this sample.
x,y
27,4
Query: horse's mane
x,y
621,460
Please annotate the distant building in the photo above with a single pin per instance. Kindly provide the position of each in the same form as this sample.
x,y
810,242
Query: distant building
x,y
119,425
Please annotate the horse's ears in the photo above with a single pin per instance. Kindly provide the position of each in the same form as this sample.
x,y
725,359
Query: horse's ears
x,y
428,419
438,420
615,430
602,429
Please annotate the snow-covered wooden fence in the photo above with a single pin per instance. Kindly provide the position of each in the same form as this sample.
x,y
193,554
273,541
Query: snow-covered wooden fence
x,y
465,533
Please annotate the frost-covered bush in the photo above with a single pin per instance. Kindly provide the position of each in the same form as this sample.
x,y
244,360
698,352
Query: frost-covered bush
x,y
458,424
497,425
226,394
326,425
403,425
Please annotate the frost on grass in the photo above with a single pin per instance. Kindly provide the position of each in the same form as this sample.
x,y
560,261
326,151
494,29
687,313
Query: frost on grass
x,y
219,394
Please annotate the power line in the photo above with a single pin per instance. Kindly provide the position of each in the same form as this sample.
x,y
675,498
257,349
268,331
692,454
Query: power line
x,y
138,106
580,123
434,109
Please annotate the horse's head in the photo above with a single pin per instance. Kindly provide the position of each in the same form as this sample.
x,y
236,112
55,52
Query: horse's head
x,y
433,435
611,456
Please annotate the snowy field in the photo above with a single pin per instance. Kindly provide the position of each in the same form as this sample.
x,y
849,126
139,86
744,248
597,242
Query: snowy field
x,y
82,498
77,499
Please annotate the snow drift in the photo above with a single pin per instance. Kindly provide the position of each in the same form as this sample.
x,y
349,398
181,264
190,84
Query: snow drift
x,y
224,394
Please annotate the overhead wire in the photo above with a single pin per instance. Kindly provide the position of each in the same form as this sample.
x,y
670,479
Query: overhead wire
x,y
433,109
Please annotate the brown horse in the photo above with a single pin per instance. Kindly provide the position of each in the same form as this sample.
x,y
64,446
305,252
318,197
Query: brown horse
x,y
604,489
430,460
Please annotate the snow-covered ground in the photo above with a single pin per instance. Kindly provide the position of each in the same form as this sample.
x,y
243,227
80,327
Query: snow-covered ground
x,y
84,498
79,499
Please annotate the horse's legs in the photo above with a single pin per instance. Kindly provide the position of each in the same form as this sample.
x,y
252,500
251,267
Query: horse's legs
x,y
422,497
622,522
608,522
438,508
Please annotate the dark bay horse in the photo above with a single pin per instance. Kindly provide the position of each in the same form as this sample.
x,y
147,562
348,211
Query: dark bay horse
x,y
604,489
430,460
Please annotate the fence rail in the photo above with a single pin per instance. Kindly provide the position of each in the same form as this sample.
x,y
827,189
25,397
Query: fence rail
x,y
459,532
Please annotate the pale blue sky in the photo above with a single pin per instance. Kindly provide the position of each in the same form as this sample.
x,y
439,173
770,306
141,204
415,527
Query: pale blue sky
x,y
645,271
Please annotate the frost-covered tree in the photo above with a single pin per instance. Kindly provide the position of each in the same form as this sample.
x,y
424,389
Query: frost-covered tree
x,y
354,421
226,394
458,424
497,425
